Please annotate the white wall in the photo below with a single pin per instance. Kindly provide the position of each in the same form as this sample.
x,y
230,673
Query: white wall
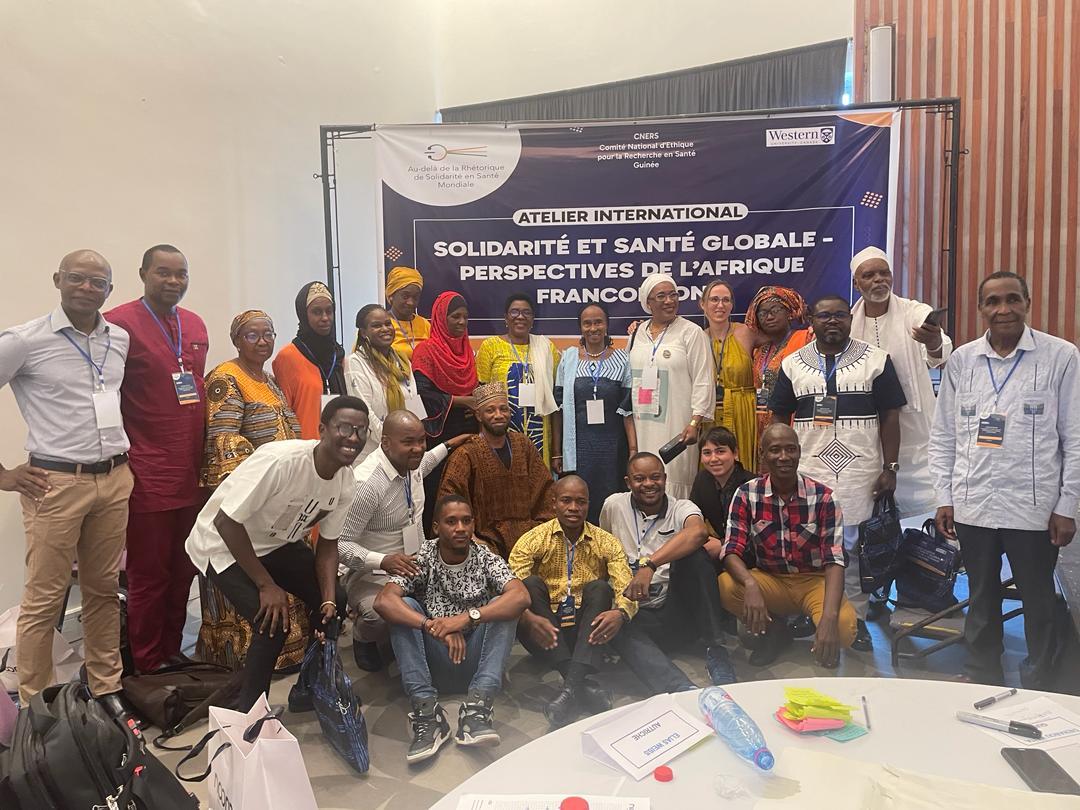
x,y
492,49
131,122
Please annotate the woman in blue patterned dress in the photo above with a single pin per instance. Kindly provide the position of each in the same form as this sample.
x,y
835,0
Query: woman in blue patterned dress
x,y
591,386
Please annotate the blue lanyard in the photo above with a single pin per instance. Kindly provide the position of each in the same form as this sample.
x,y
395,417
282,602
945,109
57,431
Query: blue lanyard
x,y
326,377
594,370
657,343
86,355
407,335
649,528
999,388
168,338
836,362
525,375
406,483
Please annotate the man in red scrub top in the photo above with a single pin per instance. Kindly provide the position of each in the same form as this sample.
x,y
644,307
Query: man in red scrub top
x,y
163,400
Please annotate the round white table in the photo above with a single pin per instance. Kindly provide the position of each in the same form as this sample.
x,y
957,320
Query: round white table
x,y
913,726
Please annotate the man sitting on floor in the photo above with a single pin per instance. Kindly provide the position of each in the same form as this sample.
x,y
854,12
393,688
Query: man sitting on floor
x,y
674,579
500,473
250,538
577,576
796,531
452,626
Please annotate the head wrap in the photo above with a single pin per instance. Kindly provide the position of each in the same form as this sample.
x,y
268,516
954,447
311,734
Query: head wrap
x,y
447,361
401,277
241,320
865,255
650,283
489,391
791,301
321,350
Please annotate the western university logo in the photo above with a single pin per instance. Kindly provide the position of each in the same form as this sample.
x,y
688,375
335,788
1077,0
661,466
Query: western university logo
x,y
801,136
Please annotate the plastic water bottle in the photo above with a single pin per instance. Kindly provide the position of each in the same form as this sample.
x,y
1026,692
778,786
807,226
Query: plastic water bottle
x,y
735,727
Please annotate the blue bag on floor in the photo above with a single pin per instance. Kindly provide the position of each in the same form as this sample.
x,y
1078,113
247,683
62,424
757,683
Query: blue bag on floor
x,y
337,708
928,576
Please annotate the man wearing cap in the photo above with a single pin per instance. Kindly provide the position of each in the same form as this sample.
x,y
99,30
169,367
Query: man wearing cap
x,y
403,288
900,327
500,473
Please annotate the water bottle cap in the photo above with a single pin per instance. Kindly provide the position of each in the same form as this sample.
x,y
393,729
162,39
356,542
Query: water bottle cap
x,y
764,759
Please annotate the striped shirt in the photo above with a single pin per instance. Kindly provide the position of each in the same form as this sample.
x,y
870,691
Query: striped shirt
x,y
380,509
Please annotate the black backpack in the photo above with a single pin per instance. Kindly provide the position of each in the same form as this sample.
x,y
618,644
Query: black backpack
x,y
67,752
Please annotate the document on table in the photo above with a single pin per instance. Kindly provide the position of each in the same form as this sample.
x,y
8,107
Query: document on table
x,y
477,801
641,738
1059,726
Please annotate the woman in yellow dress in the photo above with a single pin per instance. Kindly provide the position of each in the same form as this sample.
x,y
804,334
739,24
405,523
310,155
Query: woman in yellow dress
x,y
732,349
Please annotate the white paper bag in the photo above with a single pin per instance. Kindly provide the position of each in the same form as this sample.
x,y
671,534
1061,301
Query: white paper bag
x,y
267,774
66,660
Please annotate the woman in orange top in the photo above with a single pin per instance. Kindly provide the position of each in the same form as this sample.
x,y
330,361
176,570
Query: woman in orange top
x,y
773,314
311,367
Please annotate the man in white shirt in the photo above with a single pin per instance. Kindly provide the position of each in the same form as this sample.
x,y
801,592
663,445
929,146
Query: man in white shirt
x,y
383,530
1005,457
250,538
674,580
65,369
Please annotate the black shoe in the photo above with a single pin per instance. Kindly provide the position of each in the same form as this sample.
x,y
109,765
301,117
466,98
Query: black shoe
x,y
301,698
877,609
801,627
563,709
430,730
718,664
475,718
594,698
367,656
770,645
863,642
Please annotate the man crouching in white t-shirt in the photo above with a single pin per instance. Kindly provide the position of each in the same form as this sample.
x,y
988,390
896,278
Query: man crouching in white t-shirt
x,y
250,538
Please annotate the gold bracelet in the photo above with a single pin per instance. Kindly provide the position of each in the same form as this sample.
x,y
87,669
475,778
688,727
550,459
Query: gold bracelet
x,y
328,602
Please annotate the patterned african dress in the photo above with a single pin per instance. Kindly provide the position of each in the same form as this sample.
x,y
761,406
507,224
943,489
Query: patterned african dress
x,y
767,360
241,414
499,361
735,395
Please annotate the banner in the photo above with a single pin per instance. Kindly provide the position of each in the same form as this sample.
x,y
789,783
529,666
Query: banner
x,y
579,213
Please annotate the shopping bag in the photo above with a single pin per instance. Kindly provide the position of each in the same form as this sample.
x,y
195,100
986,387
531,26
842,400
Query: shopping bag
x,y
66,661
880,546
927,575
252,762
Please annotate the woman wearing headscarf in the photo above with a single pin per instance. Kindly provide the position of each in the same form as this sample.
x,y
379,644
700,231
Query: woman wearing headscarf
x,y
774,314
525,363
378,374
403,288
445,372
311,368
673,380
244,409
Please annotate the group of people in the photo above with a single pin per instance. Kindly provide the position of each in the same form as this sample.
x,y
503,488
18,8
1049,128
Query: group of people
x,y
451,501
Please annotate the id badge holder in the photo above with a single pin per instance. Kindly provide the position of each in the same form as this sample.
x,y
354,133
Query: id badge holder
x,y
761,401
991,431
186,392
650,378
824,411
325,399
107,409
410,537
719,396
526,395
594,411
567,613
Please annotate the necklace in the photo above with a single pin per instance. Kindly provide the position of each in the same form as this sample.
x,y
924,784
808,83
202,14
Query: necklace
x,y
592,356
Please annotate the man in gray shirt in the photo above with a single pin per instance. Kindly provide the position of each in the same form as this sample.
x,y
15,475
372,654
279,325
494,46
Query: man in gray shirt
x,y
65,369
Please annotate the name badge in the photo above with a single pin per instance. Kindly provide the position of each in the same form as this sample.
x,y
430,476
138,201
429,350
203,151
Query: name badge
x,y
991,431
650,378
527,395
824,411
567,613
186,392
411,537
415,404
719,396
594,411
326,398
761,400
107,409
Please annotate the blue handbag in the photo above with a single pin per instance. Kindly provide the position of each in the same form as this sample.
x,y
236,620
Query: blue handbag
x,y
338,709
880,546
928,575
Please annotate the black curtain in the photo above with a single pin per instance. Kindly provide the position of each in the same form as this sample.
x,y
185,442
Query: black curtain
x,y
800,77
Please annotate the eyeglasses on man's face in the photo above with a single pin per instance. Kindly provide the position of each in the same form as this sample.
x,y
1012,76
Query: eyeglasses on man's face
x,y
97,283
831,316
344,430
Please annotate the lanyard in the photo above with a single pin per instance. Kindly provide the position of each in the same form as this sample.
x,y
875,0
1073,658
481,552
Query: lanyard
x,y
571,550
326,377
86,356
999,388
525,375
776,347
165,332
836,362
406,484
407,335
723,348
649,528
594,370
656,343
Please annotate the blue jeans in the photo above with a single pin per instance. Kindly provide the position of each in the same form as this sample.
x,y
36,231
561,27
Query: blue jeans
x,y
425,661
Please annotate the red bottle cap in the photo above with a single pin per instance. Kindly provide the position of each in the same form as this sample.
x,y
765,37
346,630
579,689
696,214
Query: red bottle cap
x,y
574,803
663,774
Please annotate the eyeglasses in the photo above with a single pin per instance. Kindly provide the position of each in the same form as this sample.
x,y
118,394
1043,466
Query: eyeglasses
x,y
770,311
344,430
519,313
255,337
662,297
714,299
831,316
98,283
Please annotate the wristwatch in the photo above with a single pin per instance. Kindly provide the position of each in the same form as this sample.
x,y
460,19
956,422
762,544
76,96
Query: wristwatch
x,y
474,617
625,616
647,561
892,466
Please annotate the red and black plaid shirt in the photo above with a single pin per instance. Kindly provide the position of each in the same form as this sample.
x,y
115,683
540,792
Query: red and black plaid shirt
x,y
797,536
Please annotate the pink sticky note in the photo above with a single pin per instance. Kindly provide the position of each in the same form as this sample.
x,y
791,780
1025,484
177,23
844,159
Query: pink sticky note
x,y
808,724
644,396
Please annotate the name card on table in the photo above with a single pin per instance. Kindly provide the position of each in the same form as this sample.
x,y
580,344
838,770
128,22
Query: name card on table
x,y
641,738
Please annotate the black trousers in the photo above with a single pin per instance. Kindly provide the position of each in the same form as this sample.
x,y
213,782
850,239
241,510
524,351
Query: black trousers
x,y
647,661
292,567
1032,558
692,608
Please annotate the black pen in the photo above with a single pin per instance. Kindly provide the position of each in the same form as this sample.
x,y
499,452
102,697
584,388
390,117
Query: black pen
x,y
990,701
1008,726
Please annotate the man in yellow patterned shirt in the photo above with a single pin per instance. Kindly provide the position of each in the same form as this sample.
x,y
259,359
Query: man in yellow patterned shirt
x,y
576,574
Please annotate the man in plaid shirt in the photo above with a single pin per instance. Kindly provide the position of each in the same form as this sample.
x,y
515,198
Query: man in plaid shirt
x,y
796,530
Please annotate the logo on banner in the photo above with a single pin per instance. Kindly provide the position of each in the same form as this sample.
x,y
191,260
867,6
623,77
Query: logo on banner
x,y
801,136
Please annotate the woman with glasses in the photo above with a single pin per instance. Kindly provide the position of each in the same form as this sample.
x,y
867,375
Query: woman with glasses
x,y
673,381
245,408
526,364
377,373
310,369
591,386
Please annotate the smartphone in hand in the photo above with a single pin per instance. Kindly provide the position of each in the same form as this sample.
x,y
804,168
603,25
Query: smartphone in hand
x,y
936,317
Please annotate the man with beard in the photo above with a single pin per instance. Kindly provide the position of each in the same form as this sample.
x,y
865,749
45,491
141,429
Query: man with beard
x,y
900,327
846,400
500,473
